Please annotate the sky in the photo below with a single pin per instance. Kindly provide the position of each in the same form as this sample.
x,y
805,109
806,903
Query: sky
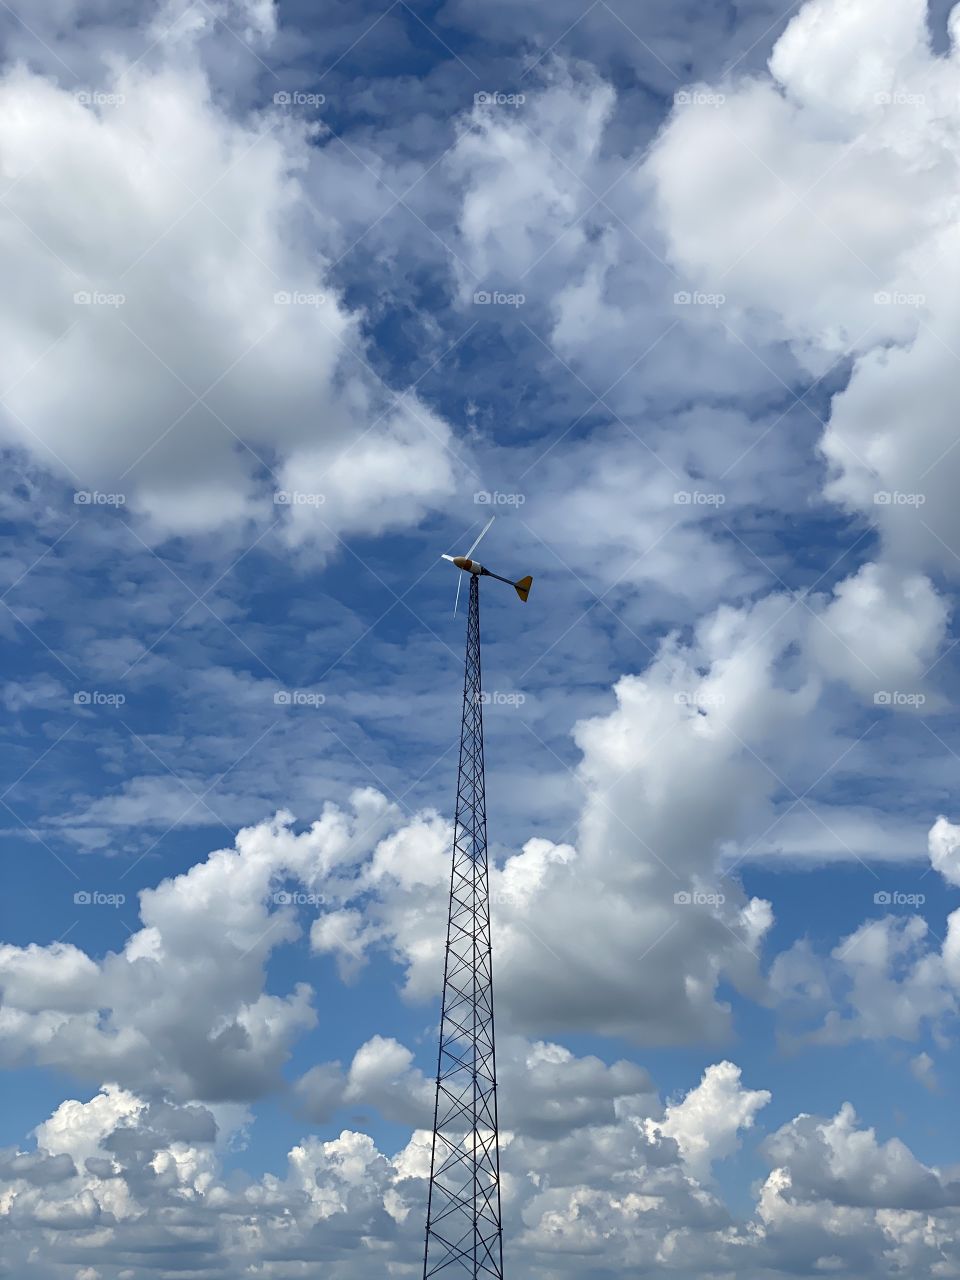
x,y
298,295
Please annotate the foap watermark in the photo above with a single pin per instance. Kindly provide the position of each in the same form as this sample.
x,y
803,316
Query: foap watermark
x,y
97,298
299,298
899,98
298,698
98,698
94,498
894,698
99,98
894,898
297,898
496,298
297,498
698,298
494,498
698,98
702,699
896,298
698,498
697,898
894,498
298,98
499,99
501,698
96,898
503,898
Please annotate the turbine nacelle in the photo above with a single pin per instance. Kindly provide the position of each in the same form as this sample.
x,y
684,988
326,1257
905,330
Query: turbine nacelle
x,y
466,565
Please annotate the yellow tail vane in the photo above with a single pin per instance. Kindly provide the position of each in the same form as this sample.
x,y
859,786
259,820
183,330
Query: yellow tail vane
x,y
522,587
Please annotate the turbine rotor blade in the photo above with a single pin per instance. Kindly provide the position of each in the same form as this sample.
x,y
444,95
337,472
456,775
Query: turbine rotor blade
x,y
446,557
482,532
456,600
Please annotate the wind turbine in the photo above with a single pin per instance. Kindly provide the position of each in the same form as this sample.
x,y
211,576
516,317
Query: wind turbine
x,y
464,1237
464,563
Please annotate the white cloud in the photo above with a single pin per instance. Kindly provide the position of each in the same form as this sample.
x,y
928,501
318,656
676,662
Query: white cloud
x,y
183,1005
183,383
881,633
839,1162
610,1191
628,931
822,197
887,978
944,848
519,173
77,1129
706,1124
545,1090
923,1070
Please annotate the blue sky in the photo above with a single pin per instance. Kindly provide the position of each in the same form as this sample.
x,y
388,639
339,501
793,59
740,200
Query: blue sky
x,y
297,297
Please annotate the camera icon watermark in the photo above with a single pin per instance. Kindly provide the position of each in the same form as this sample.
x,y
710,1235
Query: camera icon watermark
x,y
894,298
500,698
97,698
494,498
298,98
99,98
701,699
95,898
894,898
501,898
697,898
698,98
94,498
698,298
296,498
483,99
297,898
97,298
894,498
899,98
298,698
894,698
698,498
299,298
497,298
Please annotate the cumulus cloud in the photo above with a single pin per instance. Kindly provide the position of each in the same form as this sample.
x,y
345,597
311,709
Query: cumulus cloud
x,y
944,848
707,1122
838,1201
630,927
179,342
887,978
128,1162
553,207
183,1005
829,190
545,1090
844,1164
607,1190
881,633
628,930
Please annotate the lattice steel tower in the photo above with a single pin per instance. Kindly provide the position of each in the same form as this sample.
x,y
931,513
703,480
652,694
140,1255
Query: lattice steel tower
x,y
464,1236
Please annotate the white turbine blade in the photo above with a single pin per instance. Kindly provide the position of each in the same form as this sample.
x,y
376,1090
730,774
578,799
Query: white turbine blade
x,y
482,532
457,597
446,557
